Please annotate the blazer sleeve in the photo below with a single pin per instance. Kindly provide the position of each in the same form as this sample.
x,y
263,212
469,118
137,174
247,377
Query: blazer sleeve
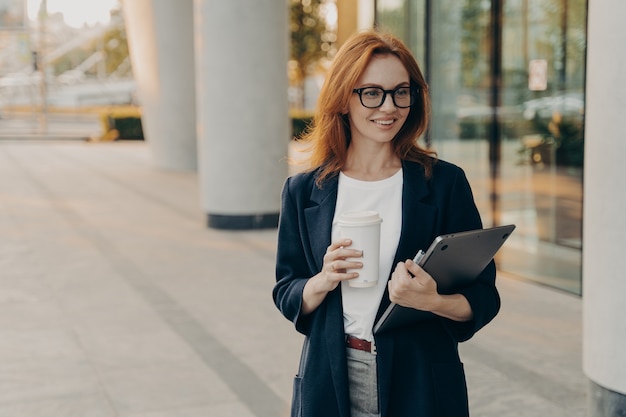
x,y
292,271
482,295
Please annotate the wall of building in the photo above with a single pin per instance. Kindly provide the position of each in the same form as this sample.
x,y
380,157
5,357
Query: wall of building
x,y
604,261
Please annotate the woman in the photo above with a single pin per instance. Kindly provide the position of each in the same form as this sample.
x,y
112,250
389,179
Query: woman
x,y
372,108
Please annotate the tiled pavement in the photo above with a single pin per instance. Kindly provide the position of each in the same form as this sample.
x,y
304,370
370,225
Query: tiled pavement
x,y
116,300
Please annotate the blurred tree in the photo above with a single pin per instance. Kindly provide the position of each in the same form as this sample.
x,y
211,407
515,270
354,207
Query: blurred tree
x,y
311,40
474,44
112,44
116,47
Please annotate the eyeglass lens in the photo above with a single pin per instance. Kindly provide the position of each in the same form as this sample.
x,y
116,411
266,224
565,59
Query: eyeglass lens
x,y
372,97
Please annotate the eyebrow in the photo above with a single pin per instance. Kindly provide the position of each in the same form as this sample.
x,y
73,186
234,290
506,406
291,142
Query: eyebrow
x,y
402,84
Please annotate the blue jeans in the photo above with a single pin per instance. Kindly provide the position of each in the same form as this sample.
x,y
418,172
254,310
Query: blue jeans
x,y
363,381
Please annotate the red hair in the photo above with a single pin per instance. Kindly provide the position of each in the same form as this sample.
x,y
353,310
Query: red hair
x,y
329,135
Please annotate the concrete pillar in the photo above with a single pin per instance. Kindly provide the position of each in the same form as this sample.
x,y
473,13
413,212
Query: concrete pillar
x,y
242,110
160,39
604,222
366,14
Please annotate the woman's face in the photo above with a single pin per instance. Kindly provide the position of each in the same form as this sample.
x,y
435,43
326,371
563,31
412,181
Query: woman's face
x,y
381,124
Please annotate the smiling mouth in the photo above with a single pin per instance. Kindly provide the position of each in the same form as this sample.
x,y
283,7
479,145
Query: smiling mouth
x,y
384,122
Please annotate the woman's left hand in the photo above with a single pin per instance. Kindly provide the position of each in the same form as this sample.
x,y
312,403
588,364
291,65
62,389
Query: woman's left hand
x,y
411,286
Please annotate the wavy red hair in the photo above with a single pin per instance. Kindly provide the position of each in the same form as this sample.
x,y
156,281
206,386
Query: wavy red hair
x,y
329,135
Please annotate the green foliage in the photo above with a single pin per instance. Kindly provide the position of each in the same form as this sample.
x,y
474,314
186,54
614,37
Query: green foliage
x,y
311,39
561,136
116,49
392,18
475,18
567,134
113,44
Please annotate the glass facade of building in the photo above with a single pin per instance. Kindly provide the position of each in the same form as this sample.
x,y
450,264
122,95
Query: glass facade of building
x,y
507,85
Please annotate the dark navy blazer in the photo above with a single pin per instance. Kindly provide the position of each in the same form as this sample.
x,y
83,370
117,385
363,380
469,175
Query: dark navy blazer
x,y
419,370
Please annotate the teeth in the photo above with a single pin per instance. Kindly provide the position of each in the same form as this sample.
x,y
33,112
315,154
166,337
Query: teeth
x,y
383,122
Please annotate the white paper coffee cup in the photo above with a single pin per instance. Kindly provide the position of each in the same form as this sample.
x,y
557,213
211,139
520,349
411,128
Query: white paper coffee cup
x,y
363,228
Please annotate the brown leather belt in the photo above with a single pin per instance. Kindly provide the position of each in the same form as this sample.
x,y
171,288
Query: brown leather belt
x,y
360,344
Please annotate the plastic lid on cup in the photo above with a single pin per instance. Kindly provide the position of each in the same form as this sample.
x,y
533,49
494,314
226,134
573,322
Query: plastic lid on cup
x,y
357,218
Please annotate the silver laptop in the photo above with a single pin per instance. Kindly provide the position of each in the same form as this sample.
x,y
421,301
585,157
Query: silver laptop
x,y
453,260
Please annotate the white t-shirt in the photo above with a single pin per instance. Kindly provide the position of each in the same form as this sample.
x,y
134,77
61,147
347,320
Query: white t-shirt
x,y
360,305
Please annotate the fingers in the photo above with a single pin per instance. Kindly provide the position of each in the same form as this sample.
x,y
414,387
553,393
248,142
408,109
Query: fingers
x,y
408,274
338,244
402,272
401,269
400,278
421,277
412,267
416,270
339,258
399,283
338,250
341,266
410,285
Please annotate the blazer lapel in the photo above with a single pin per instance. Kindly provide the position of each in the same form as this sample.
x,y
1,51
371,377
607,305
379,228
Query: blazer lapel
x,y
319,216
418,219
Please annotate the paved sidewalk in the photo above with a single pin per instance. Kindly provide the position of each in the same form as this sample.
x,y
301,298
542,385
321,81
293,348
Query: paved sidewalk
x,y
116,300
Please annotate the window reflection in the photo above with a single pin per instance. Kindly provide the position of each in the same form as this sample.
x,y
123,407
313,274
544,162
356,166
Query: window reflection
x,y
538,173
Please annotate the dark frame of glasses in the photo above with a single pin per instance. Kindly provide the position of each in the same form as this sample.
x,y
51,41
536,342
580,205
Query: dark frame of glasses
x,y
412,96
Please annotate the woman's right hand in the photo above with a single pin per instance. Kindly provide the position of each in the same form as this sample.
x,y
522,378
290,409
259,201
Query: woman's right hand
x,y
334,270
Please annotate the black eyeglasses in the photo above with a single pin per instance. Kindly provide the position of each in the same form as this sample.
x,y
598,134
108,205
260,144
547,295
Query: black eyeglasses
x,y
373,97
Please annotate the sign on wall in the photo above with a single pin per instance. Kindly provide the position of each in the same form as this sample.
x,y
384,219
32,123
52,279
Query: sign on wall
x,y
538,75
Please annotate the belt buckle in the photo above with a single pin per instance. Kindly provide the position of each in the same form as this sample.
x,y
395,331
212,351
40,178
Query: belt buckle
x,y
373,347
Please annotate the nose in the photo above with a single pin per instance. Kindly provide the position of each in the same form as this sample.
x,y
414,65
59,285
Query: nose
x,y
388,104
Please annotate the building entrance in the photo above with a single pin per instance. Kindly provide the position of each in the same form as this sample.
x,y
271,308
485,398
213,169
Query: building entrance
x,y
507,84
